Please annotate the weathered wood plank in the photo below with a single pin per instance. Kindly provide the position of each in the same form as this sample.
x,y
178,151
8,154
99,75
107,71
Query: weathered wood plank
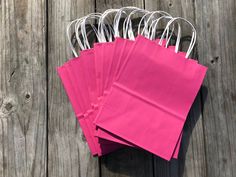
x,y
102,5
216,30
191,160
23,100
22,88
125,162
68,151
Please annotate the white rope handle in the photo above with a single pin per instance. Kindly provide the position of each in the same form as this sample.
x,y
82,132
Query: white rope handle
x,y
83,28
118,17
193,39
77,29
102,26
69,37
80,25
168,39
127,26
153,27
145,30
108,32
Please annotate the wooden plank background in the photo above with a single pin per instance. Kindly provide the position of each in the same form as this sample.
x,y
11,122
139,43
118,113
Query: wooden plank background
x,y
39,135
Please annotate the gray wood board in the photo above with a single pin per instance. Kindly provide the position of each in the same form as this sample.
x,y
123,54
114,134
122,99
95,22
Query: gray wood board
x,y
23,148
68,153
39,134
216,40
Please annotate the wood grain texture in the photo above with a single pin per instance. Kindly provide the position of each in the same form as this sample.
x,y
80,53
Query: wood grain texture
x,y
23,132
39,134
191,161
102,5
216,30
68,153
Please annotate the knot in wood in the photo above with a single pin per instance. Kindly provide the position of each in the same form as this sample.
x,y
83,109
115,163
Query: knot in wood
x,y
27,96
215,60
7,106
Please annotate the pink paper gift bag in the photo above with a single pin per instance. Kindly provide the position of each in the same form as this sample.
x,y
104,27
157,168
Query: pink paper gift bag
x,y
87,61
77,107
83,111
122,47
78,77
151,113
103,57
104,134
107,59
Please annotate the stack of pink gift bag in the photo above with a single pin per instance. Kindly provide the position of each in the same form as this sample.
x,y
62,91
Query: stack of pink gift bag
x,y
131,87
